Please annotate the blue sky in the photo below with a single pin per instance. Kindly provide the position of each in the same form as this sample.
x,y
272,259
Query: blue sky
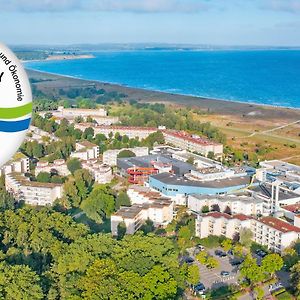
x,y
219,22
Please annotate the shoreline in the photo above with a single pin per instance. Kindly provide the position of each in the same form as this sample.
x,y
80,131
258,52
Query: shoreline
x,y
60,58
150,95
163,92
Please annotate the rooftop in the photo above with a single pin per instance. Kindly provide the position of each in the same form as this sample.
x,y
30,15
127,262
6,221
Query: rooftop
x,y
217,215
279,224
294,208
21,179
191,138
230,197
178,167
266,190
171,179
87,144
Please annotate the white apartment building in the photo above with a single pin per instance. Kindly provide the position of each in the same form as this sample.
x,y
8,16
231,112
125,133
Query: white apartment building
x,y
146,204
291,212
101,173
221,224
193,143
19,163
85,150
131,132
39,135
160,212
236,204
77,112
274,233
110,156
32,193
59,166
141,194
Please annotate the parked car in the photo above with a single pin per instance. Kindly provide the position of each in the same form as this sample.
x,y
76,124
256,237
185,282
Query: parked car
x,y
236,262
225,273
275,286
200,247
199,288
261,253
189,260
220,253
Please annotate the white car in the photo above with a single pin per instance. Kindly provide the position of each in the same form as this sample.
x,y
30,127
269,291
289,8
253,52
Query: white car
x,y
276,286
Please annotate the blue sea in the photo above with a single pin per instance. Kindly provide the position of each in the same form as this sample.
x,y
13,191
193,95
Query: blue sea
x,y
269,77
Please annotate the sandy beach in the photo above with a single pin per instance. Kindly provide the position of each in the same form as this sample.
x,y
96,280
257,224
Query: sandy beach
x,y
222,107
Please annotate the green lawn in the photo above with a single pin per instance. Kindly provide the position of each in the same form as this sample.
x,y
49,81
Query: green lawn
x,y
284,296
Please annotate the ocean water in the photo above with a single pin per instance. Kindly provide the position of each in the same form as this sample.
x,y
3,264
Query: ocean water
x,y
265,77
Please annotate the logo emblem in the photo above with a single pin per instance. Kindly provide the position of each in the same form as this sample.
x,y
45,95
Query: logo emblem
x,y
15,104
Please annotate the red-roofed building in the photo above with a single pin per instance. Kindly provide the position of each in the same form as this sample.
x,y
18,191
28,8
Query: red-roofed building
x,y
193,143
275,233
291,211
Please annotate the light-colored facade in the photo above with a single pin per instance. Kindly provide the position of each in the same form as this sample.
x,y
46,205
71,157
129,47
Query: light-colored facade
x,y
59,166
131,132
110,156
221,224
146,205
86,150
274,233
271,232
79,112
19,163
160,212
193,143
39,135
101,173
32,193
234,204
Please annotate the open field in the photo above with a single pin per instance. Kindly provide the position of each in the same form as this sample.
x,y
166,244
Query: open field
x,y
247,126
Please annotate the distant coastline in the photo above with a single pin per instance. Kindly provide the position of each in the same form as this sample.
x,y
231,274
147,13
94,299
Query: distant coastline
x,y
249,77
218,106
123,86
62,57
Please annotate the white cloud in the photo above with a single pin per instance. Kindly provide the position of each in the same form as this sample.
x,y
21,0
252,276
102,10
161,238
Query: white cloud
x,y
146,6
292,6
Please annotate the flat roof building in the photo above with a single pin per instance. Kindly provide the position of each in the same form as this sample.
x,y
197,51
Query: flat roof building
x,y
32,192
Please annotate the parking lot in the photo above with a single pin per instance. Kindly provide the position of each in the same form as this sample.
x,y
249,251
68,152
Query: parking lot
x,y
211,278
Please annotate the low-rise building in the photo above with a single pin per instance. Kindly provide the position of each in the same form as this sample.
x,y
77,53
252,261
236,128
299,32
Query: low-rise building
x,y
110,156
77,112
160,212
179,187
32,192
19,163
130,131
59,167
86,150
146,205
193,143
232,203
102,173
39,135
